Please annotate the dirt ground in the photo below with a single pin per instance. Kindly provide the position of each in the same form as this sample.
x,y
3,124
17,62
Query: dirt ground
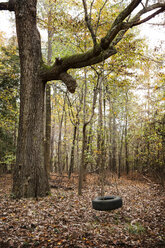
x,y
64,219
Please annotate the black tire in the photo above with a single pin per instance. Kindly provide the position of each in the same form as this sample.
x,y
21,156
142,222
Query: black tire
x,y
106,203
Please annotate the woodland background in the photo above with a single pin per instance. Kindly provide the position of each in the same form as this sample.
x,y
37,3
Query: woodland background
x,y
115,119
108,137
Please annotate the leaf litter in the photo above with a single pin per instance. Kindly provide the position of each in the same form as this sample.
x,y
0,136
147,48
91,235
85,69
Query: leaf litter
x,y
64,219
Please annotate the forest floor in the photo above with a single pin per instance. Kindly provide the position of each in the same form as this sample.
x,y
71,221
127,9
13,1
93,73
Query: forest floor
x,y
65,219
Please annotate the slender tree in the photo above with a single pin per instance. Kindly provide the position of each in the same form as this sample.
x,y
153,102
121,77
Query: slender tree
x,y
59,154
48,100
82,169
126,133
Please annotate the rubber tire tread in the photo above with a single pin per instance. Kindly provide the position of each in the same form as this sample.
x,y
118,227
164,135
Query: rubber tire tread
x,y
107,203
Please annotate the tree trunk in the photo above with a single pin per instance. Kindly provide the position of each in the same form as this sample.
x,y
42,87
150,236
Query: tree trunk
x,y
126,135
89,146
78,149
100,128
82,169
48,102
163,152
120,152
114,162
30,177
53,130
59,139
72,152
100,162
110,136
48,130
65,153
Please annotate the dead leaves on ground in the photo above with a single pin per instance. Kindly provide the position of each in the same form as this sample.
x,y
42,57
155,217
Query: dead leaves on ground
x,y
65,219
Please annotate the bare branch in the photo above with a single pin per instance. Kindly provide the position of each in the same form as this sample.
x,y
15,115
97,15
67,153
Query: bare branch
x,y
142,4
145,10
88,22
150,16
95,93
98,20
146,4
90,15
71,115
119,37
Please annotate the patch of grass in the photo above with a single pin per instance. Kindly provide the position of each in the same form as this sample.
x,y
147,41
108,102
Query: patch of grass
x,y
26,244
135,228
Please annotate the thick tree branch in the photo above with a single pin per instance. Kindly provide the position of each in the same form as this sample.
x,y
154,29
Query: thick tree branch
x,y
10,6
102,50
91,57
4,6
69,81
117,25
126,12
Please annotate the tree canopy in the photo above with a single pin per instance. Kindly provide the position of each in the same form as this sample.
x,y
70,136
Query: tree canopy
x,y
103,47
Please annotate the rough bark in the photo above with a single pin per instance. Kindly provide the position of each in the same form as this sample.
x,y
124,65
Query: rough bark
x,y
30,177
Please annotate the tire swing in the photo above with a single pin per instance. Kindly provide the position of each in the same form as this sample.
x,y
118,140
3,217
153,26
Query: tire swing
x,y
106,203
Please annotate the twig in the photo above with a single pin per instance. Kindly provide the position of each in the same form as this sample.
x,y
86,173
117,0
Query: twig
x,y
88,22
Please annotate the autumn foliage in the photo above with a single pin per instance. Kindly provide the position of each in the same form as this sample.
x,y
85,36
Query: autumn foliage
x,y
64,219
